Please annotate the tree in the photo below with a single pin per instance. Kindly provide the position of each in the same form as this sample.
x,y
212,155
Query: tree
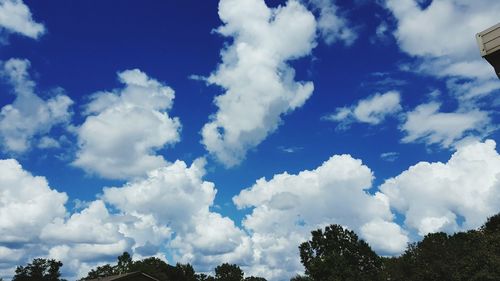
x,y
124,264
204,277
154,267
338,254
100,272
253,278
300,278
228,272
184,272
39,269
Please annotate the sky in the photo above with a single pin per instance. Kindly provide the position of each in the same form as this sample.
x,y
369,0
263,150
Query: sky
x,y
206,132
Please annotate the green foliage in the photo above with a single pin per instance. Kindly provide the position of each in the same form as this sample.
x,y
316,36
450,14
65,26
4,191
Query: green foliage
x,y
204,277
100,272
301,278
151,266
253,278
338,254
154,267
228,272
40,270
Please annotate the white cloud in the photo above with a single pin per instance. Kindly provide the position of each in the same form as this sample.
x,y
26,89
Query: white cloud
x,y
438,196
124,128
176,196
48,142
372,110
450,50
425,123
173,194
15,17
287,207
28,116
331,25
27,203
91,225
389,156
259,83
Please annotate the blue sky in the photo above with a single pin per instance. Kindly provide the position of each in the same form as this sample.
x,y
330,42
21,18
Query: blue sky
x,y
225,131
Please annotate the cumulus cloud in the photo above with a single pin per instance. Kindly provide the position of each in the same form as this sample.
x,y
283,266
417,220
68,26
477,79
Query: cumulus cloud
x,y
425,123
286,208
170,209
331,25
27,203
450,49
258,82
372,110
29,116
15,17
457,195
34,223
177,197
124,128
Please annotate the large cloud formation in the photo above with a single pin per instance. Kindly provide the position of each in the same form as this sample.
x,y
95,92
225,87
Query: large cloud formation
x,y
27,204
259,83
449,53
177,197
15,17
111,144
171,210
457,195
287,207
29,116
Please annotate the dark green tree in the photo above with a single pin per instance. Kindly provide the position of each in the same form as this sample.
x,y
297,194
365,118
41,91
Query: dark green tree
x,y
300,278
204,277
253,278
184,272
100,272
124,264
39,269
154,267
337,254
228,272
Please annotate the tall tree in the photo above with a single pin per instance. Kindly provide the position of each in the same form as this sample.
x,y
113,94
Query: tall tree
x,y
338,254
124,264
228,272
39,269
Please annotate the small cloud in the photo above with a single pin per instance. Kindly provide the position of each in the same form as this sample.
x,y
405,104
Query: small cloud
x,y
197,77
48,142
332,26
372,110
389,156
292,149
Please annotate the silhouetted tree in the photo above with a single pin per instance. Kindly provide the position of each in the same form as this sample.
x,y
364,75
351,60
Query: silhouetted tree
x,y
253,278
40,270
228,272
338,254
204,277
300,278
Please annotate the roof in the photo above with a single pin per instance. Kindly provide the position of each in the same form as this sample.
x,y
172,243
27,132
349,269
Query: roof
x,y
124,276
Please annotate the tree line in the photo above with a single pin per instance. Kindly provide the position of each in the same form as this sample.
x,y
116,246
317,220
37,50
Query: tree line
x,y
332,254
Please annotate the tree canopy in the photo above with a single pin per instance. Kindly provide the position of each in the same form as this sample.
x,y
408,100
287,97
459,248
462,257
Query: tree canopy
x,y
337,254
40,270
